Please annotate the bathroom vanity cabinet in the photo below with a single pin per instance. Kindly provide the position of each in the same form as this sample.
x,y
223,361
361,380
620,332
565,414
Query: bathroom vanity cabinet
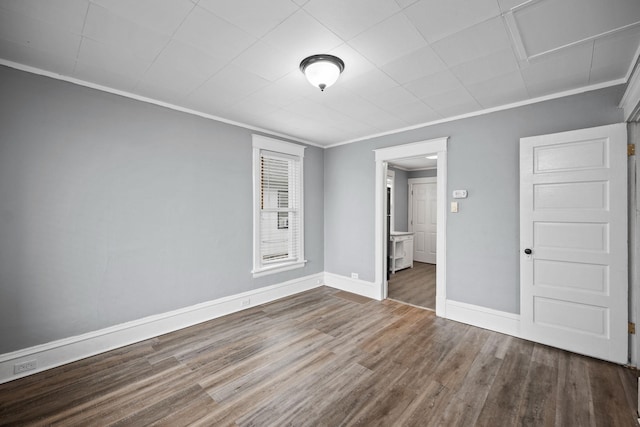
x,y
400,251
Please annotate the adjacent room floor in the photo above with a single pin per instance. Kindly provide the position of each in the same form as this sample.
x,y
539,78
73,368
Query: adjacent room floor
x,y
328,358
415,286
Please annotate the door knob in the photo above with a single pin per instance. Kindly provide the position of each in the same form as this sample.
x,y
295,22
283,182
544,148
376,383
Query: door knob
x,y
528,251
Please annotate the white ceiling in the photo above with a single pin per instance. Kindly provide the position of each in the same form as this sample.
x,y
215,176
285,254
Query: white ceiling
x,y
414,163
408,62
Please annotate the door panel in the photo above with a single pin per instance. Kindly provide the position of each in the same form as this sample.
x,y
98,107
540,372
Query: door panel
x,y
573,205
574,275
423,221
574,195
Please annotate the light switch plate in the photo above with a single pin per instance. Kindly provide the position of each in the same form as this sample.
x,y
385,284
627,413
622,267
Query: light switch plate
x,y
454,207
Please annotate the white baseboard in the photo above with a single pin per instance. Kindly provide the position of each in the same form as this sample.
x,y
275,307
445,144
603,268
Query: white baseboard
x,y
70,349
355,286
482,317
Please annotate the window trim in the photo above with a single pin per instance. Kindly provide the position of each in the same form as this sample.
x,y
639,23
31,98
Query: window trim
x,y
261,143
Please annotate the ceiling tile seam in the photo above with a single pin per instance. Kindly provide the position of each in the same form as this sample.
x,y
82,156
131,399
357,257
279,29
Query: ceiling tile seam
x,y
310,15
75,63
504,107
379,67
148,100
462,85
360,98
497,3
593,49
84,24
526,85
525,3
82,39
344,42
516,42
400,10
137,24
430,43
53,25
390,110
403,85
585,40
448,67
175,30
515,38
232,59
234,25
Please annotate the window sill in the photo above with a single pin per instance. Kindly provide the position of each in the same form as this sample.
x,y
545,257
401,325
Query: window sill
x,y
265,271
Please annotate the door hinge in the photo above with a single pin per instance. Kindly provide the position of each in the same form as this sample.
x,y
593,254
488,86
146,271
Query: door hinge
x,y
631,150
632,328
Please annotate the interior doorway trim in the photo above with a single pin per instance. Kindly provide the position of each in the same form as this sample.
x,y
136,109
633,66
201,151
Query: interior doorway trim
x,y
416,149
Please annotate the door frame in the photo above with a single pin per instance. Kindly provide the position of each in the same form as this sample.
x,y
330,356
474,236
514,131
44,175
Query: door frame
x,y
633,167
411,181
382,156
391,174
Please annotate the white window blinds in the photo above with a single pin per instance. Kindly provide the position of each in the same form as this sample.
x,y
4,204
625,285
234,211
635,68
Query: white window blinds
x,y
278,206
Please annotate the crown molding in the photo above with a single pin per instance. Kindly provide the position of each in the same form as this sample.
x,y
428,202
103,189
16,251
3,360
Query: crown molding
x,y
79,82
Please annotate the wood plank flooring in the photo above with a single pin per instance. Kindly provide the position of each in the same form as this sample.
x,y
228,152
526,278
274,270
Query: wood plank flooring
x,y
416,286
327,358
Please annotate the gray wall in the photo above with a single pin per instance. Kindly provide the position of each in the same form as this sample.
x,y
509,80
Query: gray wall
x,y
113,209
483,238
401,200
428,173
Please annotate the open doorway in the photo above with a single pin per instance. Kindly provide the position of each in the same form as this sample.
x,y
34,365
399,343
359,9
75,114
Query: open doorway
x,y
412,230
383,158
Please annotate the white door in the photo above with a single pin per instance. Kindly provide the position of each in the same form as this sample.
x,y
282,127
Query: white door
x,y
423,220
573,241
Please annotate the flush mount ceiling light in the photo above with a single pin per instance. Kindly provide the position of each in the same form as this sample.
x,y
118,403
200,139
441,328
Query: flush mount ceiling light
x,y
322,70
432,157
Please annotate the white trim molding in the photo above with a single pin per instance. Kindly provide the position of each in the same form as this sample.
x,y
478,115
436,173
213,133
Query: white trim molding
x,y
482,112
382,156
71,349
630,102
483,317
355,286
107,89
67,350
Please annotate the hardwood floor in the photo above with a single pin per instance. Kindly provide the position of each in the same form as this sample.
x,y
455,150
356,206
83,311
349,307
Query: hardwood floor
x,y
327,358
416,286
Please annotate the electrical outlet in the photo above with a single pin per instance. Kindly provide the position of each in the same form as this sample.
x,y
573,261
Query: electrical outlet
x,y
245,302
354,275
29,365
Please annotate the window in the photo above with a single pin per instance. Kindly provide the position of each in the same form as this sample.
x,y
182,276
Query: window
x,y
278,215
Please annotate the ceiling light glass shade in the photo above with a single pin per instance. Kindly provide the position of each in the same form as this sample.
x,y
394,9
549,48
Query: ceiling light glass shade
x,y
322,70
